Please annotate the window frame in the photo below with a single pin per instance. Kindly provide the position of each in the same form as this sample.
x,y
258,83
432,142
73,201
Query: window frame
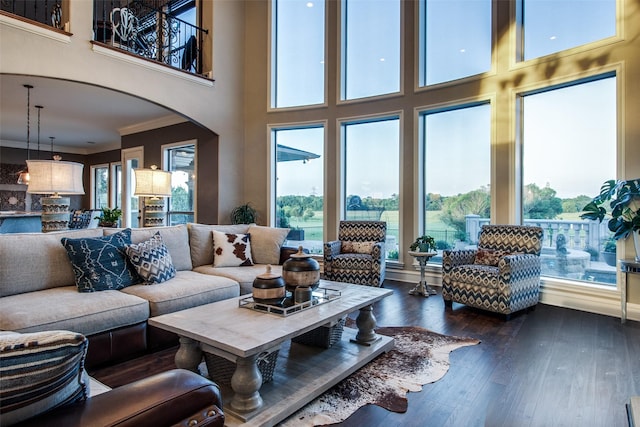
x,y
273,169
341,127
165,148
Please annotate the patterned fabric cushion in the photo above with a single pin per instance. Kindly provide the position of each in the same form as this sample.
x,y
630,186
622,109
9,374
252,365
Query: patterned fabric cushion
x,y
231,250
40,371
489,256
101,263
152,260
349,247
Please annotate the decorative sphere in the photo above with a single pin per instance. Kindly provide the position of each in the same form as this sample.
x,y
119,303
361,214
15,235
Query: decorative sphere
x,y
301,270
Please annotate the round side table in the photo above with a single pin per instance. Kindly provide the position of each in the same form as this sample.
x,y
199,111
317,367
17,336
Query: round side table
x,y
422,288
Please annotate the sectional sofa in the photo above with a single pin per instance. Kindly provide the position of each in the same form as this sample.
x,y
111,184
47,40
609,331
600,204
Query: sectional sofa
x,y
38,285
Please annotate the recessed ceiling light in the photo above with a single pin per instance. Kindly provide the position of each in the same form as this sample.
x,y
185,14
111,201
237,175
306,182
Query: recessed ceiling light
x,y
463,50
552,38
309,4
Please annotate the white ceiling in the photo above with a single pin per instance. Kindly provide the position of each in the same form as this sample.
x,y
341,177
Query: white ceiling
x,y
83,118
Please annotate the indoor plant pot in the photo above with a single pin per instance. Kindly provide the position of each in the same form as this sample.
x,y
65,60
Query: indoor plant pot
x,y
244,214
109,217
424,243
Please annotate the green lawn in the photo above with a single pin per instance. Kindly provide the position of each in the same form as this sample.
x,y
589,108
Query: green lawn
x,y
313,226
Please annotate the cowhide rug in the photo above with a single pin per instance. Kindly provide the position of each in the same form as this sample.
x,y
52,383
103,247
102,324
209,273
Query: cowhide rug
x,y
420,357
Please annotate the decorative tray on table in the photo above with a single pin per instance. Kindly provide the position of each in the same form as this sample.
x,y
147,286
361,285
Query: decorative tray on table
x,y
287,307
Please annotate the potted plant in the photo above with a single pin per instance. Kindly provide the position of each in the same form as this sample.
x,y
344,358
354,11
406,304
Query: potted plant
x,y
109,217
424,243
244,214
623,208
609,252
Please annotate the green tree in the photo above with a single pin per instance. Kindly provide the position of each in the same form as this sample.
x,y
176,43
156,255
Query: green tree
x,y
180,199
433,202
308,214
456,208
575,204
541,203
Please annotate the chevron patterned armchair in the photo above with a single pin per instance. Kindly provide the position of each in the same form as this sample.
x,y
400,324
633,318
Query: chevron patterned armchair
x,y
358,256
502,275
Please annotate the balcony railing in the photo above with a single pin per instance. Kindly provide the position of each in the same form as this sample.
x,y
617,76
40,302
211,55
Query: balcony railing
x,y
150,29
578,234
47,12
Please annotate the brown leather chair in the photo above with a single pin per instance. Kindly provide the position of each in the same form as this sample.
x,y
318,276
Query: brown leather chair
x,y
173,398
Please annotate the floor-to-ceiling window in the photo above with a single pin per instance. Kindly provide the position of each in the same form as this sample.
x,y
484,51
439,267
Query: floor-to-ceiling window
x,y
569,136
468,81
371,158
456,168
299,184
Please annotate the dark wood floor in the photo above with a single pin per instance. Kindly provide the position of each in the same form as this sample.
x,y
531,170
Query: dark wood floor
x,y
547,367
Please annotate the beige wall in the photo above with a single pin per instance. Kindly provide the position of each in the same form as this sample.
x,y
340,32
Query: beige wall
x,y
621,54
217,106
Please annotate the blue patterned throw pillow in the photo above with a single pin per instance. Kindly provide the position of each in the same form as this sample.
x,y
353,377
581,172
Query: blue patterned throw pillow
x,y
152,260
100,263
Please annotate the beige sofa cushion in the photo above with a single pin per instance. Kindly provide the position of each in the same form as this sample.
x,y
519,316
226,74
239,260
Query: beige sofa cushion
x,y
188,289
266,243
66,308
36,261
201,240
175,238
243,275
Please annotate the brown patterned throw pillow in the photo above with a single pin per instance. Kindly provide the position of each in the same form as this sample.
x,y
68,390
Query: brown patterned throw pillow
x,y
231,250
348,247
489,256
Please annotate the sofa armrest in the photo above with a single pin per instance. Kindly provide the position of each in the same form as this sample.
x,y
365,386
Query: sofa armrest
x,y
453,258
176,397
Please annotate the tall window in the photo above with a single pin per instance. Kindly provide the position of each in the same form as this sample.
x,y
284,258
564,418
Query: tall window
x,y
297,53
569,146
299,187
455,39
100,186
370,48
180,161
106,186
550,26
371,174
457,174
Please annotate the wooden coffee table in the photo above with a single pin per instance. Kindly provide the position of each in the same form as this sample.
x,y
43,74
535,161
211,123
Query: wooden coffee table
x,y
302,372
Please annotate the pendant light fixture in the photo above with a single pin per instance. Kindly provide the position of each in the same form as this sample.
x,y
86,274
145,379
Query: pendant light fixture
x,y
23,175
39,107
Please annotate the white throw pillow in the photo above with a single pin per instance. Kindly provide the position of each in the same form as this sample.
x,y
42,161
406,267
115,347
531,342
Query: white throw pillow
x,y
231,250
